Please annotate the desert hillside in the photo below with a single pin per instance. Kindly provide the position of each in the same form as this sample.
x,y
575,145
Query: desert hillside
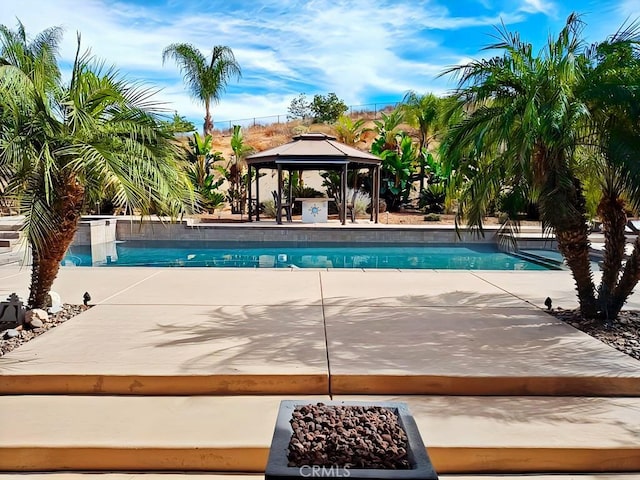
x,y
263,137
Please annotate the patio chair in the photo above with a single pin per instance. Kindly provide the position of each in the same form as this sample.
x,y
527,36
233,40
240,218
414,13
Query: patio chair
x,y
286,206
351,207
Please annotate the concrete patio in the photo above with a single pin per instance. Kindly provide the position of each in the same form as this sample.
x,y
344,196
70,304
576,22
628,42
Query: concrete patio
x,y
183,369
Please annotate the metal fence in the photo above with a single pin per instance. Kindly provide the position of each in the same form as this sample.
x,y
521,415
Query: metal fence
x,y
369,111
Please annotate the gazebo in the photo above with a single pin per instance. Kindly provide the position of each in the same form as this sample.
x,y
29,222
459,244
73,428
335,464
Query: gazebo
x,y
315,151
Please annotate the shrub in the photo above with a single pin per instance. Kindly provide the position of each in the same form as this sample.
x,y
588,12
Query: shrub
x,y
432,217
361,202
269,208
432,198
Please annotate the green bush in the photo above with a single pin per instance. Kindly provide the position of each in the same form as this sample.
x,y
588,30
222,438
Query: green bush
x,y
432,198
269,209
323,108
327,108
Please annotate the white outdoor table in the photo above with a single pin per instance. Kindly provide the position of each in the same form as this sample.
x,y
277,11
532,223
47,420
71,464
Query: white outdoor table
x,y
314,210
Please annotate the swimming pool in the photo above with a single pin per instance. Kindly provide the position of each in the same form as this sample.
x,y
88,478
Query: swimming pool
x,y
264,255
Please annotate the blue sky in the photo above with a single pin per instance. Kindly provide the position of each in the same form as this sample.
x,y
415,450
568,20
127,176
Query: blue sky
x,y
366,51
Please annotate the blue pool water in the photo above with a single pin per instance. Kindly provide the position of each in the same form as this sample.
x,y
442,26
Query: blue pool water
x,y
212,254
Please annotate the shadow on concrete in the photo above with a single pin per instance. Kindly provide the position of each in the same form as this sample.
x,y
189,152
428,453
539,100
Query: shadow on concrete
x,y
255,335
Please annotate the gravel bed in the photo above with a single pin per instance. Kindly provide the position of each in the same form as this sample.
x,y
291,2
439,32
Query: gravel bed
x,y
68,311
622,334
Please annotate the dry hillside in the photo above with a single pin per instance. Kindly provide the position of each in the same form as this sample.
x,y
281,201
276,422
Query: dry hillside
x,y
263,137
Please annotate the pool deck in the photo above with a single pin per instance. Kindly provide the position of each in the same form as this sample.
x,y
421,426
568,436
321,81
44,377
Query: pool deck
x,y
183,369
199,330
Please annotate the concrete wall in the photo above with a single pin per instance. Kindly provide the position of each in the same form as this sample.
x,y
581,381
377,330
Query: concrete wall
x,y
254,232
94,230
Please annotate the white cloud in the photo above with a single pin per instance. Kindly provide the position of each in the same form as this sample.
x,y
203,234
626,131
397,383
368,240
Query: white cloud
x,y
355,48
538,6
630,8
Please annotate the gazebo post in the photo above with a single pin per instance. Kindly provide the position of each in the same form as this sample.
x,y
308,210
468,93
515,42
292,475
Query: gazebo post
x,y
257,170
377,193
372,177
250,210
289,191
343,194
279,199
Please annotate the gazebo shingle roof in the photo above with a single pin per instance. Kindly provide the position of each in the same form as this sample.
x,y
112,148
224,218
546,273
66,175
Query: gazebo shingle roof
x,y
312,150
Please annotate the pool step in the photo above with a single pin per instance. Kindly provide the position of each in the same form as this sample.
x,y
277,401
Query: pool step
x,y
233,434
549,258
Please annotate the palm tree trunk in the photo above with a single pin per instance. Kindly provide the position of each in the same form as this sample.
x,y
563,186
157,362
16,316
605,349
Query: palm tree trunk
x,y
45,268
564,207
207,128
48,255
613,216
574,246
628,281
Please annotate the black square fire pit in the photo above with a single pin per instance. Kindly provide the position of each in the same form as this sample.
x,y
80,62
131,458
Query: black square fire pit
x,y
417,465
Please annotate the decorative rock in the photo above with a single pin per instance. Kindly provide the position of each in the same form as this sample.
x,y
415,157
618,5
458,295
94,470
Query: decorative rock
x,y
11,333
36,323
38,313
54,302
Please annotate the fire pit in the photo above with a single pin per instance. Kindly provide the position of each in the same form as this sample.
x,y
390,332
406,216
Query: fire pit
x,y
347,440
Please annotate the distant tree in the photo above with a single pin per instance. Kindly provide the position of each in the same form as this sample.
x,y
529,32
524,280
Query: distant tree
x,y
323,108
327,108
299,108
178,124
205,78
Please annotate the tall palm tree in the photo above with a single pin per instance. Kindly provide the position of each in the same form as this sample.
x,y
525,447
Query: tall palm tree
x,y
525,109
62,146
526,114
206,79
611,89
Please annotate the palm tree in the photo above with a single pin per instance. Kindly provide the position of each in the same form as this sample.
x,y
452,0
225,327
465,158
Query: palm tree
x,y
36,58
526,115
525,109
611,89
206,79
63,145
